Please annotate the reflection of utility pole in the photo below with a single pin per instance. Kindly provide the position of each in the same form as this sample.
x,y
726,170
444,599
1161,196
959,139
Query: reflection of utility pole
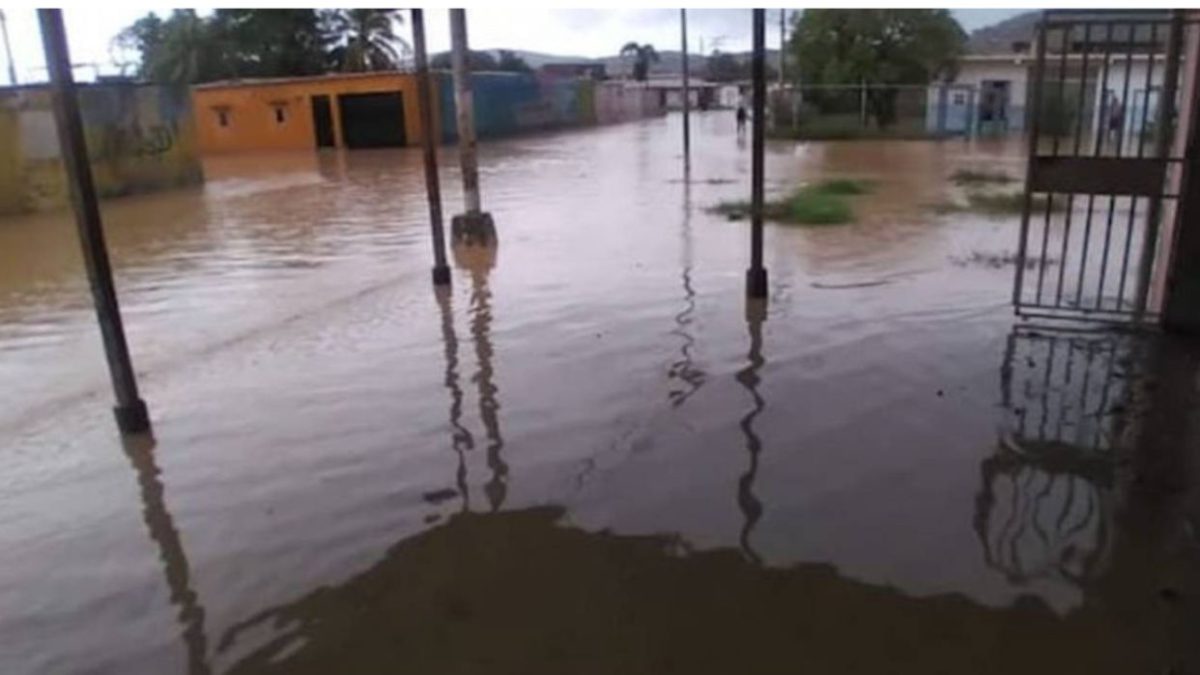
x,y
140,451
749,503
474,226
12,67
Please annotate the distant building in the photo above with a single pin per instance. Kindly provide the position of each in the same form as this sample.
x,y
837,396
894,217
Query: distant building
x,y
343,110
702,94
596,71
999,67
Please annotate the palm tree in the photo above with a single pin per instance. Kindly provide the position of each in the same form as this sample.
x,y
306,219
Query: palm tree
x,y
367,39
643,55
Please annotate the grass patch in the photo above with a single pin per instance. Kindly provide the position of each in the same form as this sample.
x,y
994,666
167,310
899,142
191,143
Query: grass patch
x,y
824,203
971,177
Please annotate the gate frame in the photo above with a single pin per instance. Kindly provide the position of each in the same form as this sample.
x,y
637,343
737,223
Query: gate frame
x,y
1091,174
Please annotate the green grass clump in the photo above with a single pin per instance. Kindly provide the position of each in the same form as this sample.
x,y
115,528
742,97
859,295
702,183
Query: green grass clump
x,y
824,203
811,207
842,186
971,177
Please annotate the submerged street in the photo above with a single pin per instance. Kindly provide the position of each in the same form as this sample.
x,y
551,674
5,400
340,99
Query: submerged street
x,y
591,456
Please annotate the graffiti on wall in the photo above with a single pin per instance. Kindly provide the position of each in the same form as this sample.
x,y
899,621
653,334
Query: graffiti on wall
x,y
114,142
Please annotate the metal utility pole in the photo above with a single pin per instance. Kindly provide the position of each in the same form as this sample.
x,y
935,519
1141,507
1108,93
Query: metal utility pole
x,y
12,67
433,189
474,226
131,413
782,44
687,94
756,276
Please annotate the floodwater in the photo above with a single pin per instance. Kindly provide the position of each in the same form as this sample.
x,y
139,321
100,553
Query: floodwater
x,y
592,456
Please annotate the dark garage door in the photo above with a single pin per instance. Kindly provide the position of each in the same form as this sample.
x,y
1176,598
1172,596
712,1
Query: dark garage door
x,y
373,120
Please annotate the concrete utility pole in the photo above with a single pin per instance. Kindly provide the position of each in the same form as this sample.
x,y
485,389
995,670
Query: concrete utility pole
x,y
433,189
474,226
12,67
687,94
756,276
687,91
131,413
782,44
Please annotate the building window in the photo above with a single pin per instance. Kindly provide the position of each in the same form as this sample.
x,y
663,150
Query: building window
x,y
960,98
223,117
280,115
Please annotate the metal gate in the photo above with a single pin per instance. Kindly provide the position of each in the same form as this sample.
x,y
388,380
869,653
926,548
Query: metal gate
x,y
1101,118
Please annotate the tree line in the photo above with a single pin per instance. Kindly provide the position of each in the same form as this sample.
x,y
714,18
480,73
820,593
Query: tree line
x,y
826,46
185,47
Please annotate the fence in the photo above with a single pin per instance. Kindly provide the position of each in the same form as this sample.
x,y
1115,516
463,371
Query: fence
x,y
866,111
511,103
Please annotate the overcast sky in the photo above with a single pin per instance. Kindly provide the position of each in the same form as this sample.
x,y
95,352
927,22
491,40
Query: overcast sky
x,y
575,32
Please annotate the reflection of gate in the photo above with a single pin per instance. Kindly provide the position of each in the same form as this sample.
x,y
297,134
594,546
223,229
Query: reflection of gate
x,y
1101,115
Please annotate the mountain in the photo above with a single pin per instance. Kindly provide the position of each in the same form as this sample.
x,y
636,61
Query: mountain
x,y
1000,37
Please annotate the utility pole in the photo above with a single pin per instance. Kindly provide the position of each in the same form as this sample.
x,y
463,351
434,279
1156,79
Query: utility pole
x,y
687,95
782,44
756,276
130,410
12,67
433,189
475,226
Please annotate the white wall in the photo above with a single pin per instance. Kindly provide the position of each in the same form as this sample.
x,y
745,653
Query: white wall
x,y
1015,70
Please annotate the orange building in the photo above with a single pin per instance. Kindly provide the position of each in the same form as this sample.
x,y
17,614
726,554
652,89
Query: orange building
x,y
353,110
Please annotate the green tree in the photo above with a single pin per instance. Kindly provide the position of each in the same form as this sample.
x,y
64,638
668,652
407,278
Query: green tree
x,y
365,39
274,42
476,61
187,48
875,47
183,48
724,67
512,63
643,56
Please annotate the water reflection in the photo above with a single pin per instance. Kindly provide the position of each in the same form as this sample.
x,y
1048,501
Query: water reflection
x,y
460,436
520,592
479,261
140,451
748,503
684,370
1089,484
1046,503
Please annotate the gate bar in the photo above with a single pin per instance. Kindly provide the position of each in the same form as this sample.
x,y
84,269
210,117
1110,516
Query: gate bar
x,y
1162,147
130,411
1034,124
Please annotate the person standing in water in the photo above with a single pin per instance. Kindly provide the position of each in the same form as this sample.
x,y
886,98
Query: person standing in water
x,y
741,115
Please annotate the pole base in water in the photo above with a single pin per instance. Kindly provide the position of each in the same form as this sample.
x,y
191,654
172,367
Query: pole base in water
x,y
473,229
133,418
756,282
441,275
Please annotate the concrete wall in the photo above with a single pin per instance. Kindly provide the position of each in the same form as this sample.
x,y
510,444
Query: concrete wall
x,y
621,102
250,108
140,139
511,103
949,109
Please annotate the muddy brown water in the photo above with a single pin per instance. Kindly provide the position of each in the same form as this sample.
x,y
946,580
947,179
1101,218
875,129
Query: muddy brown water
x,y
591,456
